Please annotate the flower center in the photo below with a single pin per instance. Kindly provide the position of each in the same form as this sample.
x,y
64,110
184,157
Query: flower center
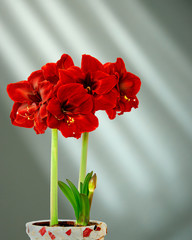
x,y
88,88
66,110
88,83
35,97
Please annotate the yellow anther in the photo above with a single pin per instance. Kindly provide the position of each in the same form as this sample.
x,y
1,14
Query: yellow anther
x,y
71,120
88,89
126,98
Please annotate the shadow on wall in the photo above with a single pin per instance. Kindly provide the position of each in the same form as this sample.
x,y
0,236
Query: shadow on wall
x,y
24,189
20,180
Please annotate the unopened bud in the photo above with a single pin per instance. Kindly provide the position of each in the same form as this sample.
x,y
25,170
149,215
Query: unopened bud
x,y
93,183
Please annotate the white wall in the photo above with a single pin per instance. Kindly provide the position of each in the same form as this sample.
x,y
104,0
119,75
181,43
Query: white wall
x,y
142,159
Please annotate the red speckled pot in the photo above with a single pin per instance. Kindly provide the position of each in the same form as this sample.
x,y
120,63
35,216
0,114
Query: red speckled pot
x,y
66,230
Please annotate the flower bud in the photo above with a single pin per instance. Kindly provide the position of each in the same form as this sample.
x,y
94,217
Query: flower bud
x,y
93,183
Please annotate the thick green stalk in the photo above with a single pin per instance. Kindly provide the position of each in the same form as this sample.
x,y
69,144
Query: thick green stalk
x,y
54,179
83,164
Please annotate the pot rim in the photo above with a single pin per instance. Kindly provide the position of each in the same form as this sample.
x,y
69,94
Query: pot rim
x,y
92,223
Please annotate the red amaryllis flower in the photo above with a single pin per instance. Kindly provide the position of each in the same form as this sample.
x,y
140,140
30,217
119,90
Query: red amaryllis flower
x,y
30,97
96,82
128,86
51,70
71,111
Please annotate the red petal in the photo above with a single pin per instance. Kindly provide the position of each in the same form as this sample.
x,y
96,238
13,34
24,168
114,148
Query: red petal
x,y
111,113
35,78
103,82
40,125
50,72
86,123
27,109
45,90
109,68
56,87
75,98
118,66
82,103
65,62
20,91
52,122
106,101
14,111
71,75
90,64
81,123
43,111
125,105
69,130
129,84
20,120
133,103
54,107
65,92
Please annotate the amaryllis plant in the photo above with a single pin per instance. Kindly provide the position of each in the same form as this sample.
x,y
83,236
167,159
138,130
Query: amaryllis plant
x,y
65,97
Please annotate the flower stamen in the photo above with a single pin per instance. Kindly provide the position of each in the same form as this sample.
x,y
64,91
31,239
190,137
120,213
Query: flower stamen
x,y
70,121
88,88
25,116
126,98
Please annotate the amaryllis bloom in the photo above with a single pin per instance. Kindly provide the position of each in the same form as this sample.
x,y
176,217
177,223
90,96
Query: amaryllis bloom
x,y
30,97
51,70
71,111
64,96
128,86
97,83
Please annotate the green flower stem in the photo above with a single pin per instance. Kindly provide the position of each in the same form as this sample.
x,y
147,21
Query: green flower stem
x,y
83,164
54,179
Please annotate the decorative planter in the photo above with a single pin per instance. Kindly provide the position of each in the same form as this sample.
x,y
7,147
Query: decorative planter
x,y
66,230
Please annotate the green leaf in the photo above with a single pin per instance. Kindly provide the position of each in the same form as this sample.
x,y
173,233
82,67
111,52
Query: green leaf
x,y
86,183
84,211
75,193
70,196
81,187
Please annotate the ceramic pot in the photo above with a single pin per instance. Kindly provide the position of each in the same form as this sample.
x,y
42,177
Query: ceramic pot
x,y
39,230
